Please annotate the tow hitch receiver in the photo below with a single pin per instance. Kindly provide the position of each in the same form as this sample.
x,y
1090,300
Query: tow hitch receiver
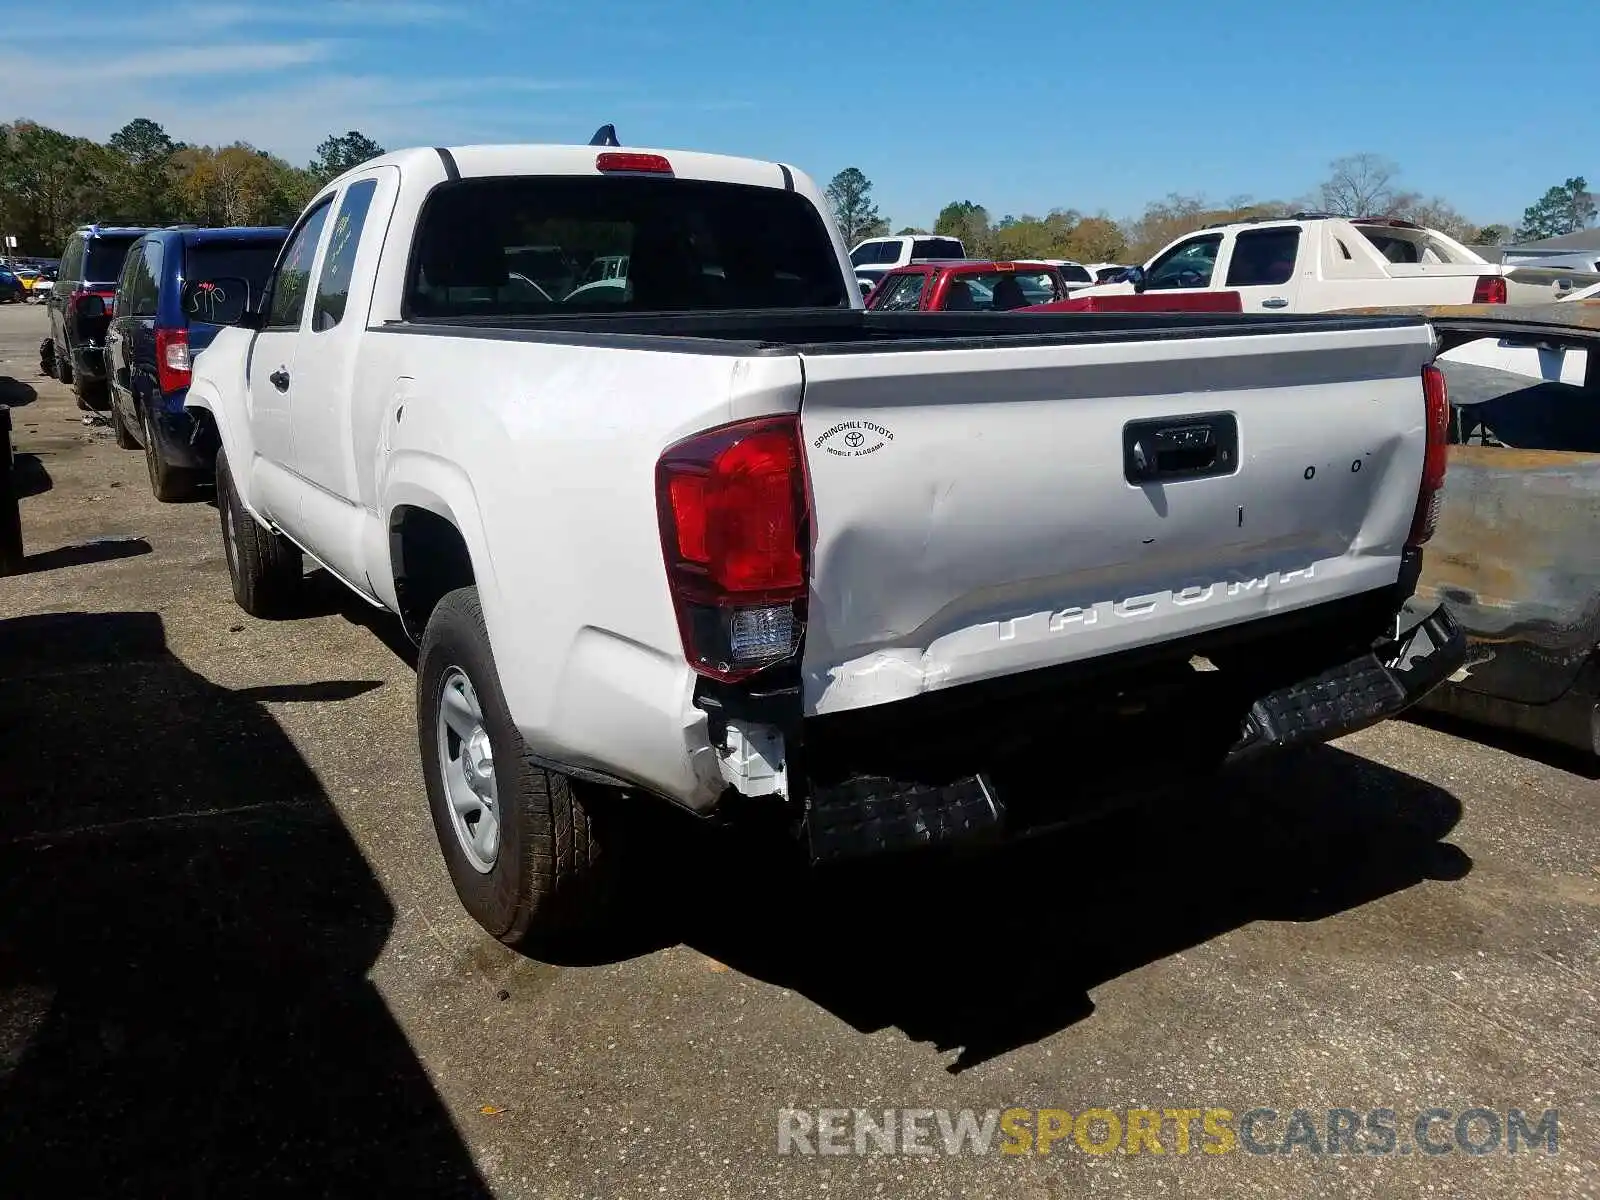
x,y
1357,693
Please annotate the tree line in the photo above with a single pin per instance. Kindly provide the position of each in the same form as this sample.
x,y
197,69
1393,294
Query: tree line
x,y
52,182
1358,185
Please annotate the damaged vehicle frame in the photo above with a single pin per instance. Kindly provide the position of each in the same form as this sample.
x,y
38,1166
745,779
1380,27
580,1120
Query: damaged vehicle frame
x,y
724,540
1516,555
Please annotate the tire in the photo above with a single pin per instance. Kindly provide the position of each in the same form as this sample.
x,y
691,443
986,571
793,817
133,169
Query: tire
x,y
125,439
550,880
264,567
168,483
47,358
63,365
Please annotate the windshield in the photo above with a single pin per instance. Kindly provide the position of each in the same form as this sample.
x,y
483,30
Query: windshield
x,y
104,264
531,245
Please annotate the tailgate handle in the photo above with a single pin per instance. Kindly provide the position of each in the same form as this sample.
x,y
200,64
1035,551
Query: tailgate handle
x,y
1175,448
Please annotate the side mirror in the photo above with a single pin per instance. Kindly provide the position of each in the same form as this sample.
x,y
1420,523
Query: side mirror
x,y
1137,277
224,300
91,306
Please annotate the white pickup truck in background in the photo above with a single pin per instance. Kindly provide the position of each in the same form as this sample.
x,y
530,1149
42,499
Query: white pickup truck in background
x,y
1314,263
722,540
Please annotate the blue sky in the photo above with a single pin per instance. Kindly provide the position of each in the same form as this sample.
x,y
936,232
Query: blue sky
x,y
1020,106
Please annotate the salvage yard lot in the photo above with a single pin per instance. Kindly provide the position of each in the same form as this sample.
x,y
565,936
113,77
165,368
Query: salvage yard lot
x,y
231,960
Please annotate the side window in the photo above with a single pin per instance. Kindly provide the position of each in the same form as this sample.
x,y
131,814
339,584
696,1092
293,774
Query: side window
x,y
333,287
1187,265
293,278
901,294
146,273
123,303
72,260
1264,257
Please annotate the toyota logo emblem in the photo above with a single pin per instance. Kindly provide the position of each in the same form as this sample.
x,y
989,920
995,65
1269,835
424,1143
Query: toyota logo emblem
x,y
854,438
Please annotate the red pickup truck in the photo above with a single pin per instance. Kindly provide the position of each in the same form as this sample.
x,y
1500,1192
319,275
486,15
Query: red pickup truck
x,y
985,286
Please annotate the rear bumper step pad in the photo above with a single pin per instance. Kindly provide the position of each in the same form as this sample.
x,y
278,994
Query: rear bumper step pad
x,y
1358,693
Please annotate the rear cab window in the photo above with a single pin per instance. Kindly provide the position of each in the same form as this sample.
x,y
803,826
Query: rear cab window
x,y
689,245
1005,290
936,248
1074,274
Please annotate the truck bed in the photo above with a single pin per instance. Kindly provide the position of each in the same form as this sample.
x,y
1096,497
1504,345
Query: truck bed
x,y
843,331
973,510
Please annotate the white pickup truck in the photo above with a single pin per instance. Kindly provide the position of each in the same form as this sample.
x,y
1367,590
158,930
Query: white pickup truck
x,y
1315,263
720,538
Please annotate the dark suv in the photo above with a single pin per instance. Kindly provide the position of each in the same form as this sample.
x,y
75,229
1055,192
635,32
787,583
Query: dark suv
x,y
178,288
80,306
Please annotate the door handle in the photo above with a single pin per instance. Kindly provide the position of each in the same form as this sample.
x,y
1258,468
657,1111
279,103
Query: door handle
x,y
1274,302
280,379
1187,447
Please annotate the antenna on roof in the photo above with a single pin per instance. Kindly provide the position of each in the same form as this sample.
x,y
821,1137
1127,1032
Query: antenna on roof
x,y
606,135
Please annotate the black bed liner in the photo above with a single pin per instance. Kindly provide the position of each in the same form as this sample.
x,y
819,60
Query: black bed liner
x,y
836,331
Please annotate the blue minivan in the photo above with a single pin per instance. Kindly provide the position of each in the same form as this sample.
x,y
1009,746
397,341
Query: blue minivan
x,y
179,286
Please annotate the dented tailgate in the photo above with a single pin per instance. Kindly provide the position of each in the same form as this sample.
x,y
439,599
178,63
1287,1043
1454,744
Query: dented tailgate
x,y
985,511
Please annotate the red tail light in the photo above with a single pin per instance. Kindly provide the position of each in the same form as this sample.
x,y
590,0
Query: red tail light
x,y
732,509
1436,396
1491,289
172,359
654,164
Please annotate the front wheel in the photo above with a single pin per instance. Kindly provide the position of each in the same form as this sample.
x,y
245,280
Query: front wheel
x,y
264,567
519,840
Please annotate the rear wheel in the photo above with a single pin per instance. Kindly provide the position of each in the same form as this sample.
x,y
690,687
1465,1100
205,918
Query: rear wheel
x,y
167,482
63,365
124,436
264,567
520,840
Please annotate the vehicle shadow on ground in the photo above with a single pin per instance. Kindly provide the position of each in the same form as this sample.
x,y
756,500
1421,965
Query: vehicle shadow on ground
x,y
84,553
15,393
987,953
29,476
186,929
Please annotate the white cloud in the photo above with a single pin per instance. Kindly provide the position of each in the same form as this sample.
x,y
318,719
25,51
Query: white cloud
x,y
175,65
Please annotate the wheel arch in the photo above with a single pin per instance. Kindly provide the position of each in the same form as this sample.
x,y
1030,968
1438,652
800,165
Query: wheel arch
x,y
436,541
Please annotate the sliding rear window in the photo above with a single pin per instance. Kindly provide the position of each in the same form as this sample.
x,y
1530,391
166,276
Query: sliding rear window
x,y
526,246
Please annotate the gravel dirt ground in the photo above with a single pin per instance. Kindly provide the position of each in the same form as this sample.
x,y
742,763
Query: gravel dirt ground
x,y
231,962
